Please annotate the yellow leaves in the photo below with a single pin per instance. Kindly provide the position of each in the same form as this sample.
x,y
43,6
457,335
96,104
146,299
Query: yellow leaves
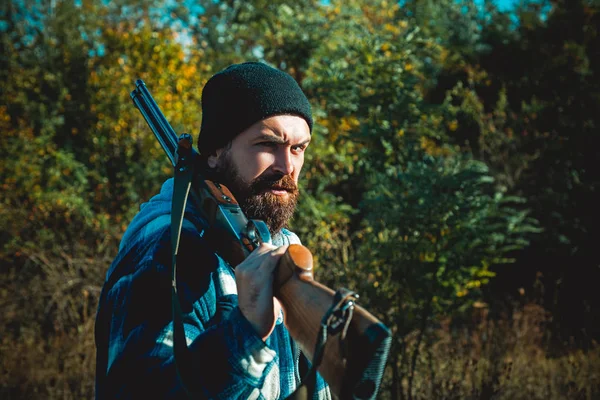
x,y
391,28
427,257
444,55
428,145
408,66
373,280
473,284
189,71
4,116
453,125
432,148
178,105
122,123
94,78
432,238
463,291
324,122
347,124
341,126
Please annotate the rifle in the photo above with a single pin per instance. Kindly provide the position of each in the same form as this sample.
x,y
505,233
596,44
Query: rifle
x,y
346,344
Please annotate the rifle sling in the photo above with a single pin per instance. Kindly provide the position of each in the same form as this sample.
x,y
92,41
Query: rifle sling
x,y
181,189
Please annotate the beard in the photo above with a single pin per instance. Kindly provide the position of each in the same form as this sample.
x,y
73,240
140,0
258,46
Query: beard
x,y
255,197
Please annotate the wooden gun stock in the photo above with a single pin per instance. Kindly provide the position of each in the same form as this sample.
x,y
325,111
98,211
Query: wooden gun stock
x,y
305,302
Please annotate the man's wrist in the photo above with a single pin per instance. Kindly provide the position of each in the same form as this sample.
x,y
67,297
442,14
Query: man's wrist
x,y
254,355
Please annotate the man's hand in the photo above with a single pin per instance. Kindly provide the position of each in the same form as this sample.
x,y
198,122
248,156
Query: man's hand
x,y
254,278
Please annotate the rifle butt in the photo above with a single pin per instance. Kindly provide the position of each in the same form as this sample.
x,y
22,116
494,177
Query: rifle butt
x,y
353,367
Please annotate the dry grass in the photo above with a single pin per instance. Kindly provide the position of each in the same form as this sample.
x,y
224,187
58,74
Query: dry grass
x,y
48,305
503,359
47,344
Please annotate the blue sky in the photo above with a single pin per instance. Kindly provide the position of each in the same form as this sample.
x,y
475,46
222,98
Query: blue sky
x,y
503,5
506,4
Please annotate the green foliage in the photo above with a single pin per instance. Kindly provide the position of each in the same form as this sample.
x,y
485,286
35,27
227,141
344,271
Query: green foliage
x,y
528,109
433,228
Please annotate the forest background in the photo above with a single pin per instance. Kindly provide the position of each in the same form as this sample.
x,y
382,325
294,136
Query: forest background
x,y
451,178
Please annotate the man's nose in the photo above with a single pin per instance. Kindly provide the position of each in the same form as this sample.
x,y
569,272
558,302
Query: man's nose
x,y
283,162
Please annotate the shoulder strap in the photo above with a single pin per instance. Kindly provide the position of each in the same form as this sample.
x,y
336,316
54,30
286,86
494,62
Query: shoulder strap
x,y
184,172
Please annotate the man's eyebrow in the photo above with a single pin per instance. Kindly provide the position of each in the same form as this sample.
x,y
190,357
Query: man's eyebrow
x,y
264,137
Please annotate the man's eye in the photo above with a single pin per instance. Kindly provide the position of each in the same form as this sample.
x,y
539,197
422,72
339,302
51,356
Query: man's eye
x,y
299,148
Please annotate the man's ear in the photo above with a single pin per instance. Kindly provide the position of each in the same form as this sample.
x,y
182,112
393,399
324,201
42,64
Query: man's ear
x,y
213,159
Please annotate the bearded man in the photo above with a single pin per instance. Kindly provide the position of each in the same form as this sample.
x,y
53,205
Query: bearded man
x,y
256,127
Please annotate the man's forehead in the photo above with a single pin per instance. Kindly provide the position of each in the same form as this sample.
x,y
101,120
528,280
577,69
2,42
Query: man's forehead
x,y
286,128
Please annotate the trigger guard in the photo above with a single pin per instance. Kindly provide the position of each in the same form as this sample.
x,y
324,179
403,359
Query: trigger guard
x,y
258,232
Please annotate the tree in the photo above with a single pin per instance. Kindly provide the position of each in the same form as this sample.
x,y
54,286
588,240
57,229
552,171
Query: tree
x,y
527,108
79,160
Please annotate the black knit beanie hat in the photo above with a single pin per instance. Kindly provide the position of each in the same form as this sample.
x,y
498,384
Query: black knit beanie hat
x,y
243,94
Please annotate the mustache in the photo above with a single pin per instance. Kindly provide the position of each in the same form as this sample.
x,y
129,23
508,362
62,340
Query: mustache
x,y
280,182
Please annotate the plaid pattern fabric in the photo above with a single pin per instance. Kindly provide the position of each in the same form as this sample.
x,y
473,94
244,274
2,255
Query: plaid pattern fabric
x,y
134,333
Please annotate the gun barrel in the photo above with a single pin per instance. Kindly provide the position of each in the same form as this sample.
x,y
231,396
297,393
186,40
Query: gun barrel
x,y
161,128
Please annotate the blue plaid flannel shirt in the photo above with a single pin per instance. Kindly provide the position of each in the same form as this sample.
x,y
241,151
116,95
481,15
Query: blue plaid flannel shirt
x,y
134,333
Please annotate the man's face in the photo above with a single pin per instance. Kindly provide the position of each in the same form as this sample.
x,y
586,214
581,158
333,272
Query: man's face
x,y
262,165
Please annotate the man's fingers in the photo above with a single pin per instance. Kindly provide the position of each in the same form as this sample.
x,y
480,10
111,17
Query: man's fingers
x,y
254,278
282,249
261,261
267,250
263,248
